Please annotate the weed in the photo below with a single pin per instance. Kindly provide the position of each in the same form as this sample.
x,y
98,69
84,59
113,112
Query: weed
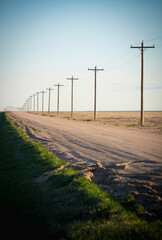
x,y
131,125
129,203
34,129
87,120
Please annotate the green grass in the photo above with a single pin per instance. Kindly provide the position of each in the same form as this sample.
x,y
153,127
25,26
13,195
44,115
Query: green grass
x,y
34,129
132,125
67,117
66,205
120,228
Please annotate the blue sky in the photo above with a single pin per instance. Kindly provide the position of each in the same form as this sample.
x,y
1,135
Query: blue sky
x,y
44,42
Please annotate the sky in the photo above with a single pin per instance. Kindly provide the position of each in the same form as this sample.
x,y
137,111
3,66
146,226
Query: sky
x,y
44,42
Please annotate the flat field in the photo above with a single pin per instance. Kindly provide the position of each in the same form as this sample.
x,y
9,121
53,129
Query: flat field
x,y
153,120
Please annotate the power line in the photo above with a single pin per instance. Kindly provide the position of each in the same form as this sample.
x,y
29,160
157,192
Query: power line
x,y
125,63
155,38
117,57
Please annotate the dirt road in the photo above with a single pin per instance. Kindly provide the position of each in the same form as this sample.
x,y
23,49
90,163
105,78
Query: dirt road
x,y
130,160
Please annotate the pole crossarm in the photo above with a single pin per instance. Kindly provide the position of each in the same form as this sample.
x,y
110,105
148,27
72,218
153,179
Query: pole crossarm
x,y
58,85
72,78
96,69
139,47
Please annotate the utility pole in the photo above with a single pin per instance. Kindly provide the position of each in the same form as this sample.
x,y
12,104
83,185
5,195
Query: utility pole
x,y
95,86
58,97
38,101
43,100
49,99
30,103
142,48
34,102
26,105
72,80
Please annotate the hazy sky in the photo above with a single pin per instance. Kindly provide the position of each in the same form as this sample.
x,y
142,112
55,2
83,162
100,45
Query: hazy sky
x,y
43,42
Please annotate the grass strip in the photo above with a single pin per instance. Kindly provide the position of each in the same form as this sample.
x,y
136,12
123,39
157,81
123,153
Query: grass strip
x,y
62,206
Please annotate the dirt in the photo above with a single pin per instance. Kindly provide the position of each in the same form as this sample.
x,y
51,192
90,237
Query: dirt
x,y
120,160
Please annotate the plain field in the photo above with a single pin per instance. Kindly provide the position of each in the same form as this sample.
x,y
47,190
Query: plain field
x,y
153,120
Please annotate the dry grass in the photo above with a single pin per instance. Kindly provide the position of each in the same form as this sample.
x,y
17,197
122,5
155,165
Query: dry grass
x,y
153,120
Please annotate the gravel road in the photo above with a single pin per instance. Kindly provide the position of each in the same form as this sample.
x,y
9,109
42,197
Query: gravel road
x,y
128,160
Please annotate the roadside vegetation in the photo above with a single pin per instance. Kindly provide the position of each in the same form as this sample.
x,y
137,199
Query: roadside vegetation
x,y
43,197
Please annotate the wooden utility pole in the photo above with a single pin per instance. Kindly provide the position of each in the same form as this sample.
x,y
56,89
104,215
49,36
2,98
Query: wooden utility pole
x,y
31,103
142,48
72,80
34,102
28,104
49,99
58,97
43,100
95,86
38,101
